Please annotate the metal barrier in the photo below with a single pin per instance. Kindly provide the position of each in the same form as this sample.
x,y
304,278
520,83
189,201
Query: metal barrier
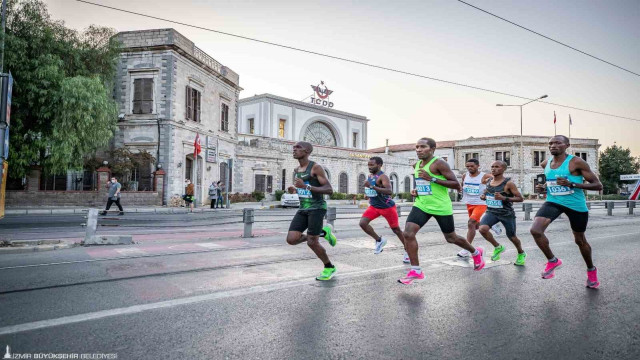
x,y
631,205
609,205
331,216
527,208
248,219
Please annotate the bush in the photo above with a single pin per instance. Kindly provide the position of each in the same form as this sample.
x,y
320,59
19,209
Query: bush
x,y
360,197
338,196
405,195
257,195
279,194
607,197
237,197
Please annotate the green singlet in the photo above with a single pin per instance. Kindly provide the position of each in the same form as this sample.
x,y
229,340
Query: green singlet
x,y
432,198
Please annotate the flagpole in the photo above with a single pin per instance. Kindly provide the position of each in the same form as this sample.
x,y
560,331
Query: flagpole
x,y
569,128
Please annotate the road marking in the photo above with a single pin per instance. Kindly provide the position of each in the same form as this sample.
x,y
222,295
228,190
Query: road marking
x,y
66,320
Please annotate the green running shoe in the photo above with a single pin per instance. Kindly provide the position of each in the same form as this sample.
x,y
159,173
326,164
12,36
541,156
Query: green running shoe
x,y
327,274
329,235
520,260
496,253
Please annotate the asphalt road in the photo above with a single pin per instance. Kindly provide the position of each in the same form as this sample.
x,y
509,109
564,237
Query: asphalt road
x,y
226,297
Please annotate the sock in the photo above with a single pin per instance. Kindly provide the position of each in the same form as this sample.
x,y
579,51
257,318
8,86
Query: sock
x,y
417,269
323,233
553,259
379,239
591,269
329,265
476,253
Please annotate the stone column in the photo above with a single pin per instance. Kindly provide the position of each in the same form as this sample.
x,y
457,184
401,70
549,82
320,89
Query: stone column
x,y
103,177
33,180
158,183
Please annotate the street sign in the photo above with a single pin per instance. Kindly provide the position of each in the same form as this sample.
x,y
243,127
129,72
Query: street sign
x,y
630,177
211,155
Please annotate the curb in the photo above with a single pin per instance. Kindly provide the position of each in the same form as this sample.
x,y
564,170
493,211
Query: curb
x,y
38,248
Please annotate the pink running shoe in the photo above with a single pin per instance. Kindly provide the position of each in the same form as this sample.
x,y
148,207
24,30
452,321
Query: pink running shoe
x,y
592,279
411,276
478,260
550,268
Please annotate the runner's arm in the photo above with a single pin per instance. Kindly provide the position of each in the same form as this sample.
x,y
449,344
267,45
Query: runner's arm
x,y
462,180
444,170
325,186
593,183
386,185
513,189
486,178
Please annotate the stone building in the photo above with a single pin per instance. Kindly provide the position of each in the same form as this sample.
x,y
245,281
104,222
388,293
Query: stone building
x,y
168,91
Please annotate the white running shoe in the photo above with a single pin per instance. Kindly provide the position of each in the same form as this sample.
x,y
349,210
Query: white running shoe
x,y
464,253
406,259
379,245
497,229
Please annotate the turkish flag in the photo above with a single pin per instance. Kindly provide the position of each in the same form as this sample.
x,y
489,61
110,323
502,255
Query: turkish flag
x,y
196,146
554,117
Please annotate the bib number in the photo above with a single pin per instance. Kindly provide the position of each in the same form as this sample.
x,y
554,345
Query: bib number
x,y
493,203
304,193
370,192
471,189
423,187
558,190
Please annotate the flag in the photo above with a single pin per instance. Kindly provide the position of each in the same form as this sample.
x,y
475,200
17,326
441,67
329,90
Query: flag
x,y
570,122
554,117
196,146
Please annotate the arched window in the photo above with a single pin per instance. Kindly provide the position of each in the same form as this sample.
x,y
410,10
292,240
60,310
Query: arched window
x,y
224,169
361,180
344,183
321,134
407,184
394,183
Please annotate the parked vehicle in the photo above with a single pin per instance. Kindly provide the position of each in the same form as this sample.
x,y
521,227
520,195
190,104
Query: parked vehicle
x,y
290,200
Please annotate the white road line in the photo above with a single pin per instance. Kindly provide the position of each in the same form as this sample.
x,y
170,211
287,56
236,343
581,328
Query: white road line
x,y
66,320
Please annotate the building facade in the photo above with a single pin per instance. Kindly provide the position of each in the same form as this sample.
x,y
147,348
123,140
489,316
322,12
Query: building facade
x,y
168,92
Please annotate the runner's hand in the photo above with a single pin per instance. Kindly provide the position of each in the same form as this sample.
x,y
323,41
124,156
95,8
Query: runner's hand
x,y
367,184
424,175
563,182
299,183
291,189
483,197
499,196
414,192
541,187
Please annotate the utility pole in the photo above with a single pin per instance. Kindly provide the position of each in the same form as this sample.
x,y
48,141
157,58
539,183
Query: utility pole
x,y
4,24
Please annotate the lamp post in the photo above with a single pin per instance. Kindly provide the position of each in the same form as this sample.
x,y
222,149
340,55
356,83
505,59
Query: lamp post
x,y
521,147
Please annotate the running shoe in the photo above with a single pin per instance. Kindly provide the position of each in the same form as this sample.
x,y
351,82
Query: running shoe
x,y
497,229
327,274
379,245
592,279
496,252
412,275
549,269
478,261
520,259
464,253
405,258
329,235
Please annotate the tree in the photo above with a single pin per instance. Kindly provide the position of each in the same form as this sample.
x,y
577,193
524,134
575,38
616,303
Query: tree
x,y
615,161
62,108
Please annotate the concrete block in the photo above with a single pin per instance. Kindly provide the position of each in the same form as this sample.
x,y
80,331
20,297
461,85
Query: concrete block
x,y
109,240
145,210
15,212
163,210
62,211
38,212
80,211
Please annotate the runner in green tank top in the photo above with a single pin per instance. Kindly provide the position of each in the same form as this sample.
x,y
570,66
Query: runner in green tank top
x,y
433,178
312,184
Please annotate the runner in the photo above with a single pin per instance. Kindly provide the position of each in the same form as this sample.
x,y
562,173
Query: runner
x,y
311,184
500,193
473,185
433,177
378,189
565,184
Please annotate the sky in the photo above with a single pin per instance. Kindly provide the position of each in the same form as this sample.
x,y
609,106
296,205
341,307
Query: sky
x,y
443,39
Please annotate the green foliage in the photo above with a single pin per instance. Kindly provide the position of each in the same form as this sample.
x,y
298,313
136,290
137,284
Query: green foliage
x,y
607,197
337,196
405,195
62,110
616,161
258,195
238,197
279,194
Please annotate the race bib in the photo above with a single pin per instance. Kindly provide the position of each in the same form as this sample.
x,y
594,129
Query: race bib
x,y
472,189
423,187
370,192
493,203
304,193
558,190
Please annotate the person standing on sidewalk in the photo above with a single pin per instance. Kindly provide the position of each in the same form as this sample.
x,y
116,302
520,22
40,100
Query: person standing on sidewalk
x,y
220,190
213,194
114,195
189,191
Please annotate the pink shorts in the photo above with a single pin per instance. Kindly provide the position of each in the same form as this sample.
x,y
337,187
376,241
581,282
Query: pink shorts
x,y
391,214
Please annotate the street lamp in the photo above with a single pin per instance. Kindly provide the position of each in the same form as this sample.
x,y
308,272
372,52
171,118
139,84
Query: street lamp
x,y
521,148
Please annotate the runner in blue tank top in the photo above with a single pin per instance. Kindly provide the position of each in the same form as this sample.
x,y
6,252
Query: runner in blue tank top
x,y
565,184
377,188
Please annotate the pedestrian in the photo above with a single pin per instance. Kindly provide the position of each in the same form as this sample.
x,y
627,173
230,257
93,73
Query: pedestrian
x,y
114,195
213,193
189,191
220,190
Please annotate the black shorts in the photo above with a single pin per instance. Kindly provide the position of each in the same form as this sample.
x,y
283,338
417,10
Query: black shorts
x,y
577,219
420,218
310,220
509,222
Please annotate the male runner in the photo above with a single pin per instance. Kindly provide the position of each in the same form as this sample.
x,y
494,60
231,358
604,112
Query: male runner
x,y
433,177
311,184
565,183
500,193
473,185
378,189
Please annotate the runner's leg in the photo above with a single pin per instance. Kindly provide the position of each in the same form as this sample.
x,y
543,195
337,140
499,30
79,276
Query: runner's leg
x,y
538,228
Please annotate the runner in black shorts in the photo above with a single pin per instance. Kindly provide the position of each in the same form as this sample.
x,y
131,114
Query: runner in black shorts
x,y
311,184
565,183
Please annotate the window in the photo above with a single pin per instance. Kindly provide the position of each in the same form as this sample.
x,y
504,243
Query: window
x,y
224,117
343,183
407,183
251,126
284,179
269,184
143,96
361,180
281,125
582,155
469,156
539,157
260,183
194,99
355,139
445,159
504,156
319,133
393,179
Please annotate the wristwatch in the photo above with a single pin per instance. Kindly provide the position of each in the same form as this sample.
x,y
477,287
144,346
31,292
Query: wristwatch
x,y
572,185
435,181
308,187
